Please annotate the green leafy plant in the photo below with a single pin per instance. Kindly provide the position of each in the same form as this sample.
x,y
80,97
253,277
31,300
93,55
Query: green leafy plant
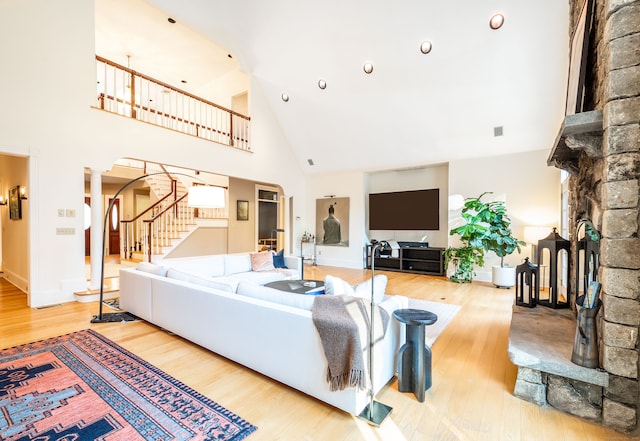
x,y
486,228
464,258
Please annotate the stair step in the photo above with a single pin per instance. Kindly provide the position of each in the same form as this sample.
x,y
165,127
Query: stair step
x,y
111,286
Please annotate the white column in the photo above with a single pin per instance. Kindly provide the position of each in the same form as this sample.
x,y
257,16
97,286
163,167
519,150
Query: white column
x,y
97,215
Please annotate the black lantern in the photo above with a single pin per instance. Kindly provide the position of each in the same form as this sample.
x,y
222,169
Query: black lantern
x,y
527,285
555,244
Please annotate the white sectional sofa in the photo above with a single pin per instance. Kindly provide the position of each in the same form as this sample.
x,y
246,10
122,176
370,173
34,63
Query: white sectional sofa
x,y
264,329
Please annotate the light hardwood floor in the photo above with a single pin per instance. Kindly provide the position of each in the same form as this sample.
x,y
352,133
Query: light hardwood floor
x,y
471,397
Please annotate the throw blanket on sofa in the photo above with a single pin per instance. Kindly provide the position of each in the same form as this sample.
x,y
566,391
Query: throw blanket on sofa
x,y
343,326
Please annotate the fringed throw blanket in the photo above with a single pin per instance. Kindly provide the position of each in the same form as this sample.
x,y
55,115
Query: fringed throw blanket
x,y
343,325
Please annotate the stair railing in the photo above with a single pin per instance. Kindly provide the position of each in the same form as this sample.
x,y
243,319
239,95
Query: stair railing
x,y
129,93
135,230
167,225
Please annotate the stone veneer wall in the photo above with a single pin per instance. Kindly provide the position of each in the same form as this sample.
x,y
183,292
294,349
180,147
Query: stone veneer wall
x,y
606,189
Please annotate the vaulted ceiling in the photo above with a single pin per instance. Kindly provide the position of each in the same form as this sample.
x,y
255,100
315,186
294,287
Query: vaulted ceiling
x,y
414,109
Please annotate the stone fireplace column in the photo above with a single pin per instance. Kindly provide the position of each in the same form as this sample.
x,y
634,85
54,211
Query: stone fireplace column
x,y
618,60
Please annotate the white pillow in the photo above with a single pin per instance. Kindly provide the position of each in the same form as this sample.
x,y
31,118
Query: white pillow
x,y
379,286
152,268
202,281
237,263
337,287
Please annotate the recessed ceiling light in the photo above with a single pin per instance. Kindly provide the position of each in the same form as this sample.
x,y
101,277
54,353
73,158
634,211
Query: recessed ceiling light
x,y
322,84
496,21
171,20
285,97
183,81
229,55
426,47
368,68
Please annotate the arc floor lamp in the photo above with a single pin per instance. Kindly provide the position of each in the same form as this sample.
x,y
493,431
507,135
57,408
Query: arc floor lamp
x,y
375,412
200,196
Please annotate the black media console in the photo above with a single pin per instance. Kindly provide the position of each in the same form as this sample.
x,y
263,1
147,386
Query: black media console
x,y
409,258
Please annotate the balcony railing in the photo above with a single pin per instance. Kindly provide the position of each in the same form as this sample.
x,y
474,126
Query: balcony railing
x,y
129,93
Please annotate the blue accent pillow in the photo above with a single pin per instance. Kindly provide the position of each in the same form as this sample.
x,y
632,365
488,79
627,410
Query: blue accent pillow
x,y
278,259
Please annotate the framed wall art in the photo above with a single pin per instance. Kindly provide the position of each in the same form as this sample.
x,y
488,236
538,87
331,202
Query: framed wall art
x,y
15,203
242,213
332,221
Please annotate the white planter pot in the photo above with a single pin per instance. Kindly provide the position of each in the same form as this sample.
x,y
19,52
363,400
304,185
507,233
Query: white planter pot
x,y
504,276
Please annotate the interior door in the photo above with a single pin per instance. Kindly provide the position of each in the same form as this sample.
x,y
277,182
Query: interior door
x,y
114,228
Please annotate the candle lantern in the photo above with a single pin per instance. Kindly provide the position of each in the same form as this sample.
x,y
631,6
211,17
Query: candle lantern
x,y
558,270
527,285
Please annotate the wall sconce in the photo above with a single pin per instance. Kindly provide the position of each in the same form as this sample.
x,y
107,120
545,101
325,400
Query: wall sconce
x,y
3,201
23,193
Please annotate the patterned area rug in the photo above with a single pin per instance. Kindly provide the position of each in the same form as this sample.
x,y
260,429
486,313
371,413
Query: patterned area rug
x,y
445,312
112,303
82,386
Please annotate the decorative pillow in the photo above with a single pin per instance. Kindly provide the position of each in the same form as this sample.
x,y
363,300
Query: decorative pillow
x,y
152,268
262,261
337,287
379,286
278,259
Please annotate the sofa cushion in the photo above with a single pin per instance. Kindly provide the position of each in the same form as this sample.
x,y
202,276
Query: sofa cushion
x,y
237,263
262,261
300,301
152,268
379,286
278,259
177,274
337,287
205,266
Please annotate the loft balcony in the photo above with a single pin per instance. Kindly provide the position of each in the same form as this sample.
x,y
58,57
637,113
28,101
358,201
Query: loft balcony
x,y
129,93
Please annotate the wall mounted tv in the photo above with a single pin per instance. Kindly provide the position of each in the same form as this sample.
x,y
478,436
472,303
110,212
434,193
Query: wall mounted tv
x,y
405,210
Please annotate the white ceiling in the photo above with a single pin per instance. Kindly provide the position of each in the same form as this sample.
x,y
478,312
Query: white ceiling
x,y
413,110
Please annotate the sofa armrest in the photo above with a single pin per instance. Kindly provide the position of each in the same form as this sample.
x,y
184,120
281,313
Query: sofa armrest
x,y
293,262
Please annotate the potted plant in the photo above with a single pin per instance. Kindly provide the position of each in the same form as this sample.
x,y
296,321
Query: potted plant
x,y
487,228
501,241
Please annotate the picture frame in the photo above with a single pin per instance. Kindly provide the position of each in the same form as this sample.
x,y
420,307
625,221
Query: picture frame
x,y
578,60
242,210
334,232
15,203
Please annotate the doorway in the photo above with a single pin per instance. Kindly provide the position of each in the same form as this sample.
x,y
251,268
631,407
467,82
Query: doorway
x,y
269,238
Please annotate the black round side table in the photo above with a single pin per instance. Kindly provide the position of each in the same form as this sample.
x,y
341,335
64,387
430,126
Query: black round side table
x,y
414,358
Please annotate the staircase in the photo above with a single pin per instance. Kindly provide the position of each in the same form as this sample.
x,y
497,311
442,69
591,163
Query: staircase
x,y
168,221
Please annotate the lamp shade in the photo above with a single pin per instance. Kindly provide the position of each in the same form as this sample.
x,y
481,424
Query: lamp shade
x,y
205,196
532,234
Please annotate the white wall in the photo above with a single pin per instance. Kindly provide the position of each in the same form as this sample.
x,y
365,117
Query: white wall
x,y
530,188
341,185
47,116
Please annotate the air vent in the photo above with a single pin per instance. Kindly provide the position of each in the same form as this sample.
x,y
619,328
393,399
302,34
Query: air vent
x,y
497,131
310,161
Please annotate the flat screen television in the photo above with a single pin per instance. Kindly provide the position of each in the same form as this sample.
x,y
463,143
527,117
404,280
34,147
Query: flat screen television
x,y
405,210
